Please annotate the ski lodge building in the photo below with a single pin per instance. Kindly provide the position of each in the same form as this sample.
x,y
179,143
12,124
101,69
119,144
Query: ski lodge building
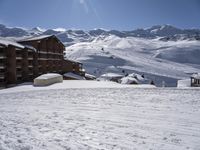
x,y
29,58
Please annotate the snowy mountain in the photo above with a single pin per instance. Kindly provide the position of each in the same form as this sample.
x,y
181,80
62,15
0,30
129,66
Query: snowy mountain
x,y
12,32
69,37
157,60
161,53
36,31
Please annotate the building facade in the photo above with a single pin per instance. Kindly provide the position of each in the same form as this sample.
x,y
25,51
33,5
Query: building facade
x,y
26,59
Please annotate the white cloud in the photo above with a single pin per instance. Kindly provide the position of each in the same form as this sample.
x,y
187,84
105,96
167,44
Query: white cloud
x,y
85,5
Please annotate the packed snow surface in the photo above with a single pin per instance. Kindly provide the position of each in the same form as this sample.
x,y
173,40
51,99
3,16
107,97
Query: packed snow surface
x,y
128,118
72,84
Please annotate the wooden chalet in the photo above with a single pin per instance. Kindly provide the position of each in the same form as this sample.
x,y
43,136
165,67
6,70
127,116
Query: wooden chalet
x,y
195,80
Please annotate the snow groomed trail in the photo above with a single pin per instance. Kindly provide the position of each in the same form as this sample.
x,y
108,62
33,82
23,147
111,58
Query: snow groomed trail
x,y
152,119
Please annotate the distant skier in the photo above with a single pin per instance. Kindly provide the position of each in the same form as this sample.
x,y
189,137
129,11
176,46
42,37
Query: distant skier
x,y
152,82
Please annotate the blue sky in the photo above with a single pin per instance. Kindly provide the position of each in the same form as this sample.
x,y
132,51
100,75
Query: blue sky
x,y
108,14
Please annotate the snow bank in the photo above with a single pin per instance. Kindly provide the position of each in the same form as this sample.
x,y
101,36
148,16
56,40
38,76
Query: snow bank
x,y
48,79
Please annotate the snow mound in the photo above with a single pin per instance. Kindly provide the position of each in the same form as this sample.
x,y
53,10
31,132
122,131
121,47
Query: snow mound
x,y
129,80
48,79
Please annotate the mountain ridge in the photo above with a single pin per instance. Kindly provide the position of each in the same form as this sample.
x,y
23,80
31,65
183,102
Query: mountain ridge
x,y
70,37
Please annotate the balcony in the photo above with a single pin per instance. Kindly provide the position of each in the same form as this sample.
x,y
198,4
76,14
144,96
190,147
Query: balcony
x,y
19,58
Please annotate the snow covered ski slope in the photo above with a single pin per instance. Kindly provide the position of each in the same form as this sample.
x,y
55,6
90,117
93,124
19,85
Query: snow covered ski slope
x,y
118,119
158,60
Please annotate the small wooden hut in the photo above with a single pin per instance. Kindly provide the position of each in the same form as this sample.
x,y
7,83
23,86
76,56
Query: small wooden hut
x,y
195,80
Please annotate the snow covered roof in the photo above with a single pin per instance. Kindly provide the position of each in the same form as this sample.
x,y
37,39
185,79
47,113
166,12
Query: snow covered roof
x,y
129,80
196,76
36,38
6,43
48,76
139,77
112,75
90,76
74,76
73,61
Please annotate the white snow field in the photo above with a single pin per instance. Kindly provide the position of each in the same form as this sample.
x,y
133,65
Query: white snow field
x,y
114,118
158,60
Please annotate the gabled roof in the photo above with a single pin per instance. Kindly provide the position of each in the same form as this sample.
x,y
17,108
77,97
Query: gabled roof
x,y
37,38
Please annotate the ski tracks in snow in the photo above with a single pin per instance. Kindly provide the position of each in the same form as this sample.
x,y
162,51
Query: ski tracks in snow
x,y
100,119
